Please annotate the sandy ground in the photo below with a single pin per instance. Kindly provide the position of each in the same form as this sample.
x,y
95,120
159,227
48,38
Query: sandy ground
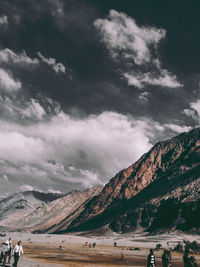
x,y
43,250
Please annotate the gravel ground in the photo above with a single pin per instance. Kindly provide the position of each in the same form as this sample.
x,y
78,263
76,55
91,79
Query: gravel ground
x,y
27,262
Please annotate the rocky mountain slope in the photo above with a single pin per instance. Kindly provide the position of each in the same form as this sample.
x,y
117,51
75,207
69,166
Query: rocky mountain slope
x,y
35,211
18,205
161,190
50,216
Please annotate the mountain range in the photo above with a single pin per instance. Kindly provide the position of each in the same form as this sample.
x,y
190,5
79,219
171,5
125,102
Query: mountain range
x,y
159,192
37,211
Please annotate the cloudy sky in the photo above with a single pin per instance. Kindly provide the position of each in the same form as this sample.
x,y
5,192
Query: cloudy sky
x,y
87,86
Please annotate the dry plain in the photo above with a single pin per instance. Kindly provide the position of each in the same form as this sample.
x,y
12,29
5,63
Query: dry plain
x,y
43,250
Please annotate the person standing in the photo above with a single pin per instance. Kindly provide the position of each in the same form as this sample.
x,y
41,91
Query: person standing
x,y
186,258
5,251
17,252
10,249
1,257
166,258
151,261
192,262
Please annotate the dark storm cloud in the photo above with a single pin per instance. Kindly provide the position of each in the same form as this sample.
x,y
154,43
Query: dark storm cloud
x,y
64,30
68,116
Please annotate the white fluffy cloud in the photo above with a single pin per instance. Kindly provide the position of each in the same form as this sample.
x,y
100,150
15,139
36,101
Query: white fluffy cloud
x,y
178,128
33,110
8,56
63,149
22,109
140,80
73,151
125,38
57,67
144,97
7,59
26,187
193,111
16,147
7,83
3,20
90,140
127,41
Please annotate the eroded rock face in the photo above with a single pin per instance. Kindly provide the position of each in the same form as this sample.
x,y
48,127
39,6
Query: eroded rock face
x,y
166,168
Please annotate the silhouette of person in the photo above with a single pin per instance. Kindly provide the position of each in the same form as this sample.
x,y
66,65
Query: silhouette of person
x,y
166,258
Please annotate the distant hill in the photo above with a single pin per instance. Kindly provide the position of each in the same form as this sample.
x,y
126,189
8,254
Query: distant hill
x,y
20,204
36,211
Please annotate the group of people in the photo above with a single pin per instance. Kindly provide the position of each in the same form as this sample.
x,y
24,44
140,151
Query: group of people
x,y
166,259
90,245
189,261
8,250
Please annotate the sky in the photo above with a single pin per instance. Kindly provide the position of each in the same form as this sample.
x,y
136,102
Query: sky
x,y
87,87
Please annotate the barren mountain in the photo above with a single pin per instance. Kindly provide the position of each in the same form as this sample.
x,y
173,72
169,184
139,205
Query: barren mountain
x,y
160,191
34,211
18,205
166,180
51,215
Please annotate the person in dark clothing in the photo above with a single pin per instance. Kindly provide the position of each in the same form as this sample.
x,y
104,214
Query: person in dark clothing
x,y
10,250
151,262
192,262
2,252
166,258
5,251
186,258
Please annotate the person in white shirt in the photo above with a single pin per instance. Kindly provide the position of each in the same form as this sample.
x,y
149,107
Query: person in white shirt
x,y
17,252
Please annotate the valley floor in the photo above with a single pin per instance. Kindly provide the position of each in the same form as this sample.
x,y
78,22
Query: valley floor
x,y
43,250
